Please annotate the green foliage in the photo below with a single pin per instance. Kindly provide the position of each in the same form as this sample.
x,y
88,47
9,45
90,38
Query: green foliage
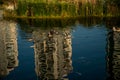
x,y
1,2
114,2
45,9
53,8
112,7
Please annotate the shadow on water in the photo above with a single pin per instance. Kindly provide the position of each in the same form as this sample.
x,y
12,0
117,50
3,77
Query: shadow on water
x,y
53,49
27,24
61,23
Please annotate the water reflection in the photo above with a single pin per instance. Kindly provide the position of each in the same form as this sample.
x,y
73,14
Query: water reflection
x,y
113,55
54,48
53,53
8,47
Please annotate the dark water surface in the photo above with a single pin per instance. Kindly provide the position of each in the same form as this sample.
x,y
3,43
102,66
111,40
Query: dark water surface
x,y
82,49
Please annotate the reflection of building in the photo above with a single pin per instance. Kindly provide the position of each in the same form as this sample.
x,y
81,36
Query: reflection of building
x,y
52,54
8,47
113,55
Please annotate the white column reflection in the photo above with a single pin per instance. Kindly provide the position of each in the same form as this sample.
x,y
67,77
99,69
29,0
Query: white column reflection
x,y
53,53
8,47
113,54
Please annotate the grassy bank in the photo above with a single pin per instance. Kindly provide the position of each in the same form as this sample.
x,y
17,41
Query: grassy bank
x,y
56,17
44,9
55,9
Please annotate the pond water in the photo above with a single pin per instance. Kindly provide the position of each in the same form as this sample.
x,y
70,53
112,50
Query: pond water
x,y
72,49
